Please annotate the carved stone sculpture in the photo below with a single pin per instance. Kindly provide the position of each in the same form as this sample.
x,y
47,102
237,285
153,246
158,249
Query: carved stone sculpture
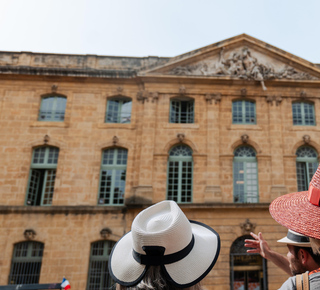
x,y
306,139
243,92
155,96
105,233
182,90
142,96
244,138
29,234
46,139
247,227
303,94
181,137
215,97
54,88
115,140
241,64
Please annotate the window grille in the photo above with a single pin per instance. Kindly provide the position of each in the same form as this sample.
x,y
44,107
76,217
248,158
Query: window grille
x,y
306,166
113,176
182,111
118,111
245,175
180,174
42,176
26,263
303,114
98,276
243,112
52,109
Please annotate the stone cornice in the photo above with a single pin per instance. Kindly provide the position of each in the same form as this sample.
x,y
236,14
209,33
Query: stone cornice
x,y
118,210
69,72
82,209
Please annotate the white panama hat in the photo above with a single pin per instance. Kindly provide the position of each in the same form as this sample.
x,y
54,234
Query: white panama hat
x,y
161,235
295,239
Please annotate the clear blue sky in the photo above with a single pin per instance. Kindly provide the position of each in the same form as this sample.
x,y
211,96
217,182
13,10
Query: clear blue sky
x,y
161,28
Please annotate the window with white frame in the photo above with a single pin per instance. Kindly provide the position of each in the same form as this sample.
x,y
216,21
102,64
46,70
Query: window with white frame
x,y
118,110
26,263
245,175
303,114
243,112
113,176
306,166
98,275
180,174
42,176
52,108
182,111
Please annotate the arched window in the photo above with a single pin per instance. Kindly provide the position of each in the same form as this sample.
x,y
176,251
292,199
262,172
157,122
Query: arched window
x,y
243,112
247,271
52,108
180,171
113,176
245,175
26,263
118,110
42,176
182,110
307,164
98,275
303,114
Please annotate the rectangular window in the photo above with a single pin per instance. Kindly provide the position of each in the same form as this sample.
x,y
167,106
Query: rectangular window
x,y
182,112
303,114
243,112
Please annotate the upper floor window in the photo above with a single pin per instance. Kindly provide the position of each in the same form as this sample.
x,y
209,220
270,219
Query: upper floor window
x,y
180,174
52,108
42,176
98,276
113,176
118,110
303,114
243,112
182,111
26,263
245,175
306,166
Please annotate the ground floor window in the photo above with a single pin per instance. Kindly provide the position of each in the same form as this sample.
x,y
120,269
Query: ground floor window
x,y
247,271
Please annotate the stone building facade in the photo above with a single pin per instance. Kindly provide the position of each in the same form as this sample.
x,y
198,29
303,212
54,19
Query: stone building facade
x,y
88,141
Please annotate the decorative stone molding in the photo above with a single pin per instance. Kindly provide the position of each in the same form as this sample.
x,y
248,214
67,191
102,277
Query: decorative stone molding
x,y
182,90
46,139
181,137
54,88
306,139
244,138
247,227
119,90
105,233
154,96
303,94
243,92
142,96
216,97
274,98
115,140
29,234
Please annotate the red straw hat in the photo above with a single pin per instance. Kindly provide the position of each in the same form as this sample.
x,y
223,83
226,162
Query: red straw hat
x,y
300,211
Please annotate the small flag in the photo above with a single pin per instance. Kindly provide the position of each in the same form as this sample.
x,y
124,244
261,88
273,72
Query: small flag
x,y
65,284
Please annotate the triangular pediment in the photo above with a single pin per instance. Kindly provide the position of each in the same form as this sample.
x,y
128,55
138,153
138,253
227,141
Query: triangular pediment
x,y
242,57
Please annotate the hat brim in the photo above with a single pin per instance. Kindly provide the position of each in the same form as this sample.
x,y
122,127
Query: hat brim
x,y
295,212
287,241
184,273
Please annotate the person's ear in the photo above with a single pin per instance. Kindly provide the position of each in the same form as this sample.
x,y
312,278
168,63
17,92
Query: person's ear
x,y
303,256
